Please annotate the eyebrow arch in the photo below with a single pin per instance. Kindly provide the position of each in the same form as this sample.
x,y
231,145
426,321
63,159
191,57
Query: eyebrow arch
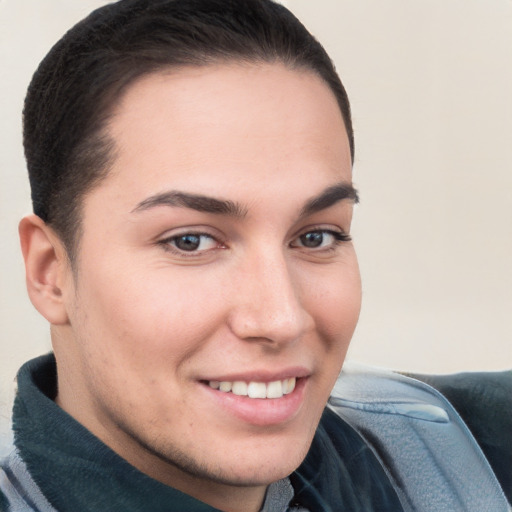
x,y
329,197
193,201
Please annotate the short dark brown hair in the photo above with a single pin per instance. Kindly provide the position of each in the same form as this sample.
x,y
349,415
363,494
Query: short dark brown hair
x,y
78,84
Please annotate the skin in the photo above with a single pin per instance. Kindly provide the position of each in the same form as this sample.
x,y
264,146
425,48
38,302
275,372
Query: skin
x,y
140,325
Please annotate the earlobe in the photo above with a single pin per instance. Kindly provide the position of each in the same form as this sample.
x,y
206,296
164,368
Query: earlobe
x,y
46,268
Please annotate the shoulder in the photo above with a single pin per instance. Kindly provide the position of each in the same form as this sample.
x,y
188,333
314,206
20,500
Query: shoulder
x,y
4,503
484,401
4,482
433,426
18,492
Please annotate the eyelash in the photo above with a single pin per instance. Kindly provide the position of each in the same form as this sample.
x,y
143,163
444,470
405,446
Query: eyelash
x,y
167,243
339,237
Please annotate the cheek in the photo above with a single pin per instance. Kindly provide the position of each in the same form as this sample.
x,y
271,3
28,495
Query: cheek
x,y
334,300
335,305
147,319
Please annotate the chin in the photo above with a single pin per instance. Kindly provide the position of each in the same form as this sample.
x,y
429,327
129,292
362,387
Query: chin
x,y
268,471
253,462
261,473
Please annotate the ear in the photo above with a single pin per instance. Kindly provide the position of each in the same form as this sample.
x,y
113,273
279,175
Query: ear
x,y
46,268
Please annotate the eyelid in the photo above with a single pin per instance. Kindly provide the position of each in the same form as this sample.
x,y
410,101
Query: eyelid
x,y
165,241
189,230
339,235
334,230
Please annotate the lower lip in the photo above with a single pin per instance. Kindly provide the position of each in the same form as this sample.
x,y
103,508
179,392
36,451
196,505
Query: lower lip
x,y
261,411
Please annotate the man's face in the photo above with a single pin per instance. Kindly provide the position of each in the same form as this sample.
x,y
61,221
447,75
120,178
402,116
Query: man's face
x,y
205,259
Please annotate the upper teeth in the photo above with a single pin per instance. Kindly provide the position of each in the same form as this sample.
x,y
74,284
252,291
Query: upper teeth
x,y
275,389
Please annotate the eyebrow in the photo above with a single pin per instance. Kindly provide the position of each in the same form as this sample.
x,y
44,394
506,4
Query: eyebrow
x,y
193,201
329,197
207,204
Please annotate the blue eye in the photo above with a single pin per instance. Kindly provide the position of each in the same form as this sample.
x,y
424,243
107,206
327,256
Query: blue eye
x,y
187,242
320,239
314,239
191,242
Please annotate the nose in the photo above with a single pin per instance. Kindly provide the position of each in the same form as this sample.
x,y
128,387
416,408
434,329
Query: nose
x,y
267,304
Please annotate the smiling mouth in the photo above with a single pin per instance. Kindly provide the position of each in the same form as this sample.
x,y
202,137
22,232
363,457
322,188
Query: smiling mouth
x,y
271,390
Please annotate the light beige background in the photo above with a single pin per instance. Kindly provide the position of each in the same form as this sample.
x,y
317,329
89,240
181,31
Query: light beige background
x,y
431,90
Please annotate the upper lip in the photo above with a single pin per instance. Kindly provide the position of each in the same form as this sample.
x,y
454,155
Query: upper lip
x,y
261,375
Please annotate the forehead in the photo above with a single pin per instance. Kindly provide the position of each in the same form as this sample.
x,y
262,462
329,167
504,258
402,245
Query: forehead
x,y
223,125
